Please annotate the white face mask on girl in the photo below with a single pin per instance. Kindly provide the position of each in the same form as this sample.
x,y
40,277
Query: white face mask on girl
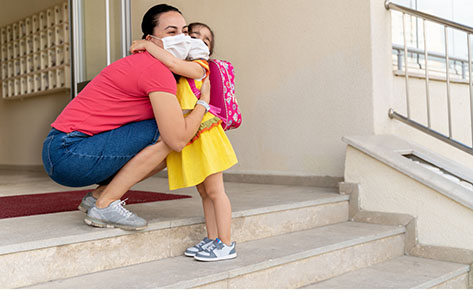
x,y
178,45
199,50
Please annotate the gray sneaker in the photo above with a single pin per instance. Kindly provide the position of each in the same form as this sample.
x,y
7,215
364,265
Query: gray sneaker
x,y
115,215
217,251
87,202
204,244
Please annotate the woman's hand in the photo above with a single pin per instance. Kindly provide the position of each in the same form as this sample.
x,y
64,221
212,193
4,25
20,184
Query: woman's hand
x,y
139,46
205,90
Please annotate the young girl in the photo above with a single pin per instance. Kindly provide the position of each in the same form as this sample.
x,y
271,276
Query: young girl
x,y
208,154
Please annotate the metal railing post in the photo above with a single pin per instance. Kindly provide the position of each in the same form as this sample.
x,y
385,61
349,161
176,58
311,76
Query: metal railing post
x,y
426,57
107,31
463,70
405,63
470,85
447,63
399,61
77,50
126,26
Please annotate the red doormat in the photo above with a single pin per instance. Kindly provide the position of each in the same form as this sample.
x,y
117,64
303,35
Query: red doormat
x,y
38,204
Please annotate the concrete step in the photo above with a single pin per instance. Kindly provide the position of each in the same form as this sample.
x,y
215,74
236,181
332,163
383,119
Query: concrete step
x,y
291,260
46,247
405,272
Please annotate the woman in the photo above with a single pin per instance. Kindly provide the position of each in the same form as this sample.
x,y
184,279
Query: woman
x,y
108,135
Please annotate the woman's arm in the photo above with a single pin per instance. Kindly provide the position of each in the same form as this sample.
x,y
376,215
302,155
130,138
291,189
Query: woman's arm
x,y
176,131
178,66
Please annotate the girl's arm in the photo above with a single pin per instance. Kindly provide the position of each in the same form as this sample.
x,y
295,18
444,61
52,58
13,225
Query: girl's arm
x,y
175,129
178,66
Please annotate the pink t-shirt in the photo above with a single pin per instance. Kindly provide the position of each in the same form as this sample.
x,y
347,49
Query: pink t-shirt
x,y
117,96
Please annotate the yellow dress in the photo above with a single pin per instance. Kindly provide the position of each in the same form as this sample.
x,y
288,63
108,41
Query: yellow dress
x,y
208,152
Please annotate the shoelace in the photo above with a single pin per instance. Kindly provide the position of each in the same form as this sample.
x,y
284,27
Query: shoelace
x,y
201,244
123,211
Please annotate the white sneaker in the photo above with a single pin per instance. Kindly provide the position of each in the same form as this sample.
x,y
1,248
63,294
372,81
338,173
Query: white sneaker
x,y
217,251
115,215
202,245
87,202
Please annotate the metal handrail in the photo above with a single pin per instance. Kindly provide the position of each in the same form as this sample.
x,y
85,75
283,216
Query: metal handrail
x,y
389,5
430,53
447,24
430,131
399,48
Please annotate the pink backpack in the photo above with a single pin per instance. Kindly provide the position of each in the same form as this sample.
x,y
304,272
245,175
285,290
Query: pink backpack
x,y
223,103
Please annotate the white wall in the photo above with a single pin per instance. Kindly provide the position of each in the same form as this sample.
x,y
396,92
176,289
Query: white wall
x,y
440,220
381,66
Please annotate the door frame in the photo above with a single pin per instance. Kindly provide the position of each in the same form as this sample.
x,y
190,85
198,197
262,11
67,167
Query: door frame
x,y
76,25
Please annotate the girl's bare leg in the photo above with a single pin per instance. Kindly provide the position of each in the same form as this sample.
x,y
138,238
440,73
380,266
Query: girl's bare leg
x,y
209,213
146,163
223,211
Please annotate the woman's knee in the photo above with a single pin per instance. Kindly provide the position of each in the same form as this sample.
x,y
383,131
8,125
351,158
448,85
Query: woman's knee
x,y
76,159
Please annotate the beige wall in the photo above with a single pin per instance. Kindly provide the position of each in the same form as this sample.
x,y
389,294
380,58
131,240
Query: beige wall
x,y
303,76
23,126
18,9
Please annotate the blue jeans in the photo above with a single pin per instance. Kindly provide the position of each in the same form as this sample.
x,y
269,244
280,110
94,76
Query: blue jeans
x,y
76,159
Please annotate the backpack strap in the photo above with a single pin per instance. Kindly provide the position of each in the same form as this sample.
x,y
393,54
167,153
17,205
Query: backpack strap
x,y
194,89
213,109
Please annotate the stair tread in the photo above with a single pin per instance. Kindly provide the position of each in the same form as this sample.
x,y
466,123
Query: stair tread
x,y
405,272
185,272
40,231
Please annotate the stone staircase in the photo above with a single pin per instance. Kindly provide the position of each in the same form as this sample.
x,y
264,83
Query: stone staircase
x,y
401,273
287,237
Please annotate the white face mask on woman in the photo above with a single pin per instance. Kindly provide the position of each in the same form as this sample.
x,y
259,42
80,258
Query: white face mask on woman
x,y
199,50
178,45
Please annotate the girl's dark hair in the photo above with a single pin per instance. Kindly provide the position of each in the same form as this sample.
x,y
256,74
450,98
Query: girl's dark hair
x,y
194,25
151,18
